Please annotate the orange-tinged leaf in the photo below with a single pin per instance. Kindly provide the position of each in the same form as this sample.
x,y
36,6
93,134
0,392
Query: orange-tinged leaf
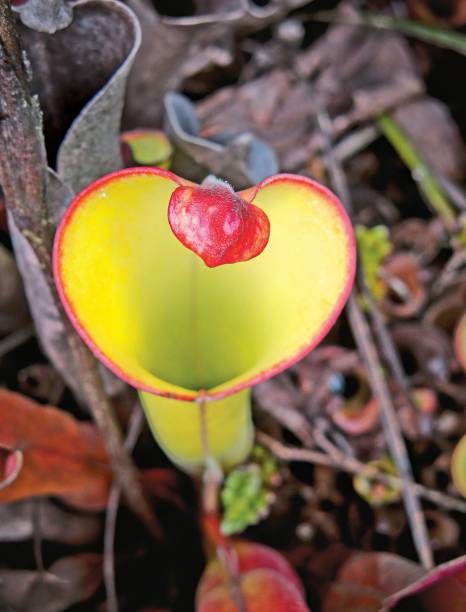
x,y
61,456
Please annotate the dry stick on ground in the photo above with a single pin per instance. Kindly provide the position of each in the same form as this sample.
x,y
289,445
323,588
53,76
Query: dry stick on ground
x,y
24,181
354,466
367,348
135,426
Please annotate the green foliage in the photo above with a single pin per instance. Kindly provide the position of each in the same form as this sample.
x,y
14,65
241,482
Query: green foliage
x,y
373,247
246,496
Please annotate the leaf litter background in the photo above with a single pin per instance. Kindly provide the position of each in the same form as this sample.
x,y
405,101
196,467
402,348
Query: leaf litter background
x,y
242,89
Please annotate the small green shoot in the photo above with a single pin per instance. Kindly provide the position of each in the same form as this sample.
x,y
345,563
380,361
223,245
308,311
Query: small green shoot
x,y
374,246
246,494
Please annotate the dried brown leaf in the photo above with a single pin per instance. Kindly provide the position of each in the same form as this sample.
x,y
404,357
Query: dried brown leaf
x,y
67,581
17,523
433,131
240,158
13,306
79,74
45,15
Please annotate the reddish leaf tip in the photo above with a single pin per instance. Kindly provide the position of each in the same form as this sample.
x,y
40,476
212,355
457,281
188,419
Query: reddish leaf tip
x,y
217,224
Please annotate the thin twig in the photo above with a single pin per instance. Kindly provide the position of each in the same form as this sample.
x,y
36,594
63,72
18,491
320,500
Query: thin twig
x,y
23,176
367,348
354,466
135,426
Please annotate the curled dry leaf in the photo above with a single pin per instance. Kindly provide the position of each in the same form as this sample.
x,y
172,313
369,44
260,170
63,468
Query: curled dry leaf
x,y
90,148
417,420
357,419
45,15
79,74
241,158
421,238
54,523
13,306
171,51
67,581
61,456
279,398
335,378
281,118
406,293
426,351
447,310
360,73
89,61
47,320
175,48
325,367
444,531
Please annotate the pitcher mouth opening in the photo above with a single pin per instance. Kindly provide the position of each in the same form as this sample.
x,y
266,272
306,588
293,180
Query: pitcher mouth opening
x,y
166,323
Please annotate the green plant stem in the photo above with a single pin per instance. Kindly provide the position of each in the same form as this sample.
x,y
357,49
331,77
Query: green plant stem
x,y
23,172
420,171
